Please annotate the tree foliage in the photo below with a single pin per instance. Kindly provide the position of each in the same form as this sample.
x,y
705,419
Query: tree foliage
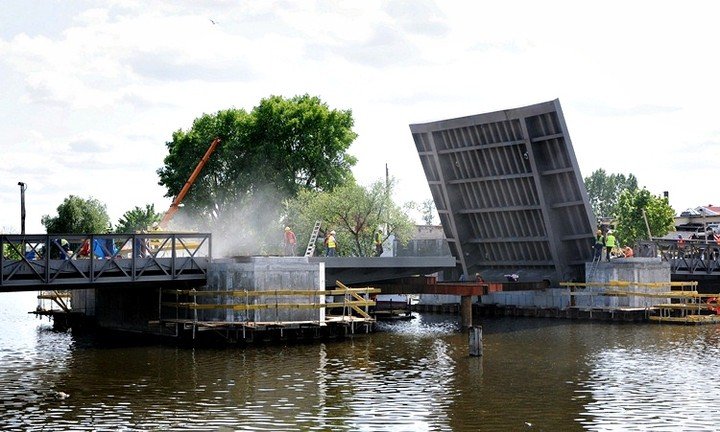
x,y
428,211
12,251
604,191
78,216
354,212
138,219
629,217
281,147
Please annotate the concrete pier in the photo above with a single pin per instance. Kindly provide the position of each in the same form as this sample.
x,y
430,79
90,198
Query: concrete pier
x,y
267,274
245,299
632,270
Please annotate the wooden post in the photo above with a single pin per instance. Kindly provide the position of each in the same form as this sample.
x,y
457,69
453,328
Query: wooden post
x,y
475,341
647,225
466,312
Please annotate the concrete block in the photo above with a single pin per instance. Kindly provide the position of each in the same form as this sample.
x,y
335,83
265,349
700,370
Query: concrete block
x,y
267,274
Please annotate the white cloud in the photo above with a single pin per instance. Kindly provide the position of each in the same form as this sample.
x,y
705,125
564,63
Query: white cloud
x,y
91,96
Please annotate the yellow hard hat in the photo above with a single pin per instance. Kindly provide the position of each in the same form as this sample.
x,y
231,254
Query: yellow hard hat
x,y
287,228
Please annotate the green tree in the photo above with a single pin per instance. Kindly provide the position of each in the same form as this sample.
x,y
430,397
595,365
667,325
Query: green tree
x,y
281,147
604,191
428,211
630,221
138,219
354,212
11,251
78,216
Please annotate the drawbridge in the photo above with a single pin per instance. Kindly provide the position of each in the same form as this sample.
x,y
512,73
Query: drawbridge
x,y
509,193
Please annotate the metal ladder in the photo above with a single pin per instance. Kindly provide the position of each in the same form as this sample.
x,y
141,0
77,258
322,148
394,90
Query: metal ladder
x,y
313,238
593,265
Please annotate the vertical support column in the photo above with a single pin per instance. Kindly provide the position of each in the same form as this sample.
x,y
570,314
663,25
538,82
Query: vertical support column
x,y
475,341
172,266
466,312
2,259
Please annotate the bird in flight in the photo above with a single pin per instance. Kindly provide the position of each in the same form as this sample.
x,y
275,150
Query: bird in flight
x,y
213,21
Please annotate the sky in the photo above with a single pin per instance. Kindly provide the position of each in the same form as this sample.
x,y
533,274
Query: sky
x,y
90,91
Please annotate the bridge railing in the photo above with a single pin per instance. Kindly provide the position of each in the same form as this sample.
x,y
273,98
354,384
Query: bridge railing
x,y
64,259
423,247
684,256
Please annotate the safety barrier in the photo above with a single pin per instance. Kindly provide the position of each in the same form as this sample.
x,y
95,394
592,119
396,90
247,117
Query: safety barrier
x,y
79,261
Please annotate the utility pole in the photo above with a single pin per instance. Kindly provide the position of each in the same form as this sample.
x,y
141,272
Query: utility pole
x,y
387,194
23,186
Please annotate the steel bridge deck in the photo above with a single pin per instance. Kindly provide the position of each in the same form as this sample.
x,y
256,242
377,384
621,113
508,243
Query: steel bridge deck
x,y
37,262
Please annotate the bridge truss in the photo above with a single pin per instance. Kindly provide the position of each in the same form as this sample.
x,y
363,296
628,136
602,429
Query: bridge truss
x,y
688,257
35,262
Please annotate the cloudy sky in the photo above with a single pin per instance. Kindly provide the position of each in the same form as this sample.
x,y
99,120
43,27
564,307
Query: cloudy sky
x,y
90,91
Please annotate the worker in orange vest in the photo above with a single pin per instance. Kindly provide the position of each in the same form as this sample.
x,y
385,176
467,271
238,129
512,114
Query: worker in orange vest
x,y
628,252
290,242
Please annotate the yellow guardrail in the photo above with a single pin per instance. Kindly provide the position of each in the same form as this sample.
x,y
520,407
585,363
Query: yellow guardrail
x,y
353,299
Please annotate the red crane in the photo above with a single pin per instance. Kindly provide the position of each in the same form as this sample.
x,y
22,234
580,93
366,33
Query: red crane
x,y
178,199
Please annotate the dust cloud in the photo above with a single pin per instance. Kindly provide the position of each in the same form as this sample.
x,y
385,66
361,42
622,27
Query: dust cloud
x,y
248,227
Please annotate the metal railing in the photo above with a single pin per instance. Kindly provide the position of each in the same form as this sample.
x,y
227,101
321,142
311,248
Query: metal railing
x,y
85,259
423,247
698,257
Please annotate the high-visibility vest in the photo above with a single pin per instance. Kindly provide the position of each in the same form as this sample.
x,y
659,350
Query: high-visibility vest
x,y
331,241
378,237
610,241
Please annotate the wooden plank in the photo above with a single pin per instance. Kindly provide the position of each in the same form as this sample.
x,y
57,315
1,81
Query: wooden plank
x,y
263,306
690,319
681,306
283,292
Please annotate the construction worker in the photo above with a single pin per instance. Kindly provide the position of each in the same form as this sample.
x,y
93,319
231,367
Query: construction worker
x,y
609,244
378,242
330,244
65,252
628,252
681,246
141,244
599,244
290,241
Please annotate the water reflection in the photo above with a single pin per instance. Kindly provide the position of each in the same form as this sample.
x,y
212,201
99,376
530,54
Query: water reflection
x,y
414,375
666,383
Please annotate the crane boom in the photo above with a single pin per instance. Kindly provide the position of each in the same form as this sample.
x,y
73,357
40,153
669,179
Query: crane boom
x,y
186,187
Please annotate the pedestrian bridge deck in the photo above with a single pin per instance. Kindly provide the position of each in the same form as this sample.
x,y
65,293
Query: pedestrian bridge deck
x,y
37,262
41,262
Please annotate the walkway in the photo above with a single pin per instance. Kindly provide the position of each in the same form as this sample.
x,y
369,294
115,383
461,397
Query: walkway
x,y
40,262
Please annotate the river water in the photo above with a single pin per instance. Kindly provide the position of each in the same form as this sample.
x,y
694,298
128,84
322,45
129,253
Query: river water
x,y
535,375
